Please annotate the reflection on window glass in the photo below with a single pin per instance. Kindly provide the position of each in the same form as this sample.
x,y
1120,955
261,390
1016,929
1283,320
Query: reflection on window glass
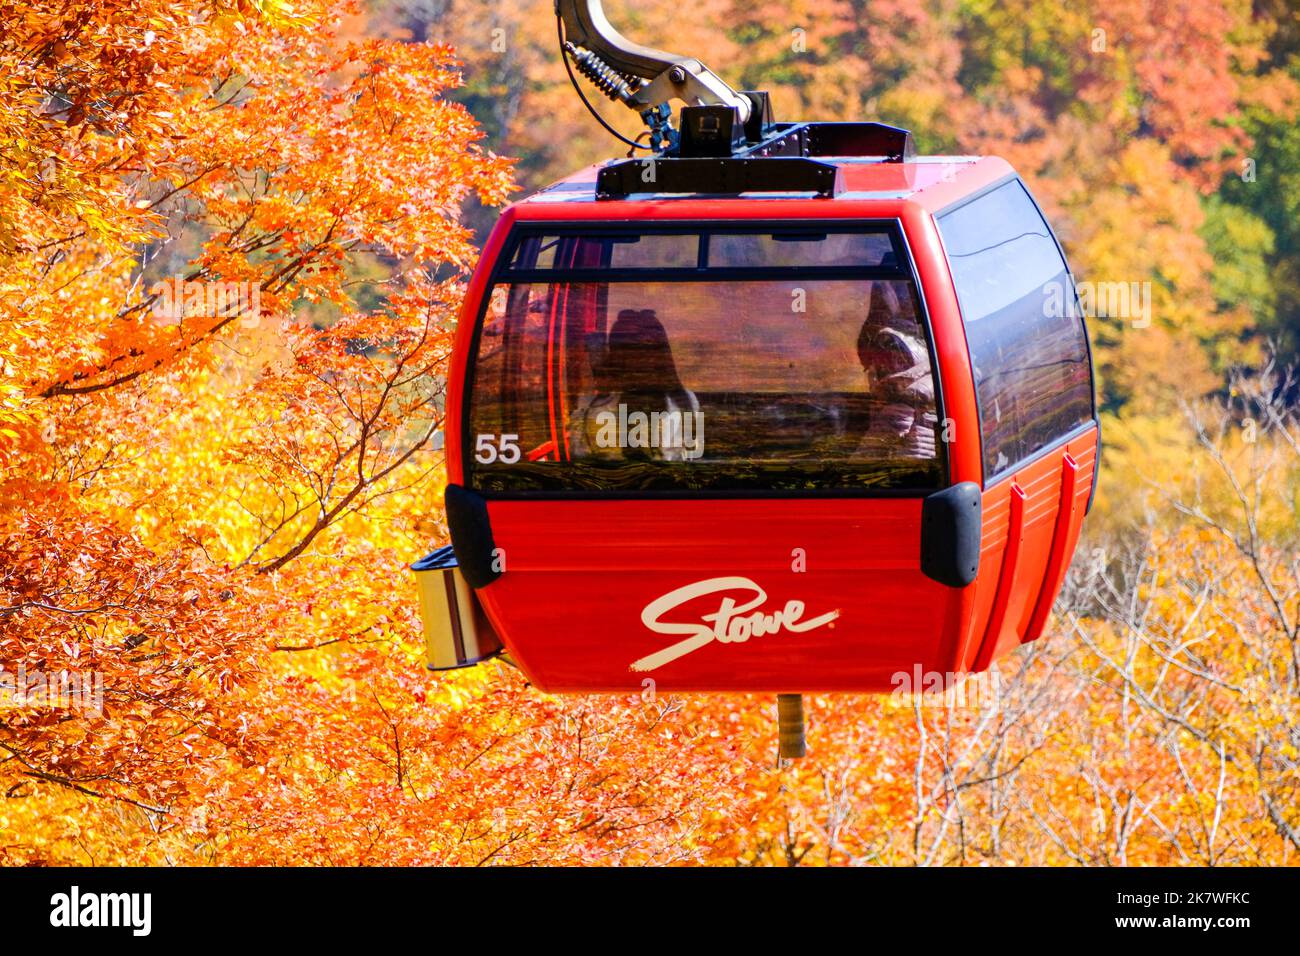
x,y
1027,341
654,252
724,250
811,384
535,252
622,251
748,250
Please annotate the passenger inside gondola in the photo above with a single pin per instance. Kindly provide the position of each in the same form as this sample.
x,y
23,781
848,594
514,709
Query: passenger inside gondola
x,y
639,408
895,359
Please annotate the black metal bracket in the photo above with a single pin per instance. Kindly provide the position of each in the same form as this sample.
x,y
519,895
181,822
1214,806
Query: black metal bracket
x,y
728,175
710,159
891,144
950,534
471,536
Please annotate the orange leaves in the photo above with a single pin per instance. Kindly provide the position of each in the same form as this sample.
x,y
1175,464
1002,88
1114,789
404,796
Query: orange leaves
x,y
169,429
283,150
151,633
211,509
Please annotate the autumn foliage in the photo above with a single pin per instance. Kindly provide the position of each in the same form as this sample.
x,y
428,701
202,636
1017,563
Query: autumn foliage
x,y
213,507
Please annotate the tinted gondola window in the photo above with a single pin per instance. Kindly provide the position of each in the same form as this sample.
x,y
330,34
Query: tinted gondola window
x,y
663,380
796,250
1026,336
614,251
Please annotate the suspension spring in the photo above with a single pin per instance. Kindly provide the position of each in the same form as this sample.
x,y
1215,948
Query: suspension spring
x,y
605,78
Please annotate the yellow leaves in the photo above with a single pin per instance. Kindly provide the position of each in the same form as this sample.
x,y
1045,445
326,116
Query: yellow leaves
x,y
282,716
242,15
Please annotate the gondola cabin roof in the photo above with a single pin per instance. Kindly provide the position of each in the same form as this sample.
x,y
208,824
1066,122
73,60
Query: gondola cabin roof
x,y
929,182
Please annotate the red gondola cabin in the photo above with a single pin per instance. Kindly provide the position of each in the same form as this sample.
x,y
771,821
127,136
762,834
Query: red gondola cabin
x,y
788,430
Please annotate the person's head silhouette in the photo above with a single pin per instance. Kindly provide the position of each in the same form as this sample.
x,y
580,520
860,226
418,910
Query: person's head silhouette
x,y
639,361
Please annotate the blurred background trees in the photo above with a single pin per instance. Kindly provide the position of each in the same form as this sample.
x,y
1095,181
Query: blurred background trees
x,y
215,510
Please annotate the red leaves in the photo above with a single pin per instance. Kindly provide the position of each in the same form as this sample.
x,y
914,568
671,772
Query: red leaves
x,y
153,462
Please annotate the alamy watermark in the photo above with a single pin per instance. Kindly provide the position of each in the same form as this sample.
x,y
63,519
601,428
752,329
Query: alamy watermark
x,y
666,431
176,298
953,691
80,691
1130,301
75,908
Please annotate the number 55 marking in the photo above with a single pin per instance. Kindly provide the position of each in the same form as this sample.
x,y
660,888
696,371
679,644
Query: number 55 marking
x,y
489,449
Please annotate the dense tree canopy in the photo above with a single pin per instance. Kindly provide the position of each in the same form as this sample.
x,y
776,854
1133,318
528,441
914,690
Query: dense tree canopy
x,y
211,503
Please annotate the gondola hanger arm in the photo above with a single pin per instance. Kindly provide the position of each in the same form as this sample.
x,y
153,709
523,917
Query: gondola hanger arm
x,y
641,77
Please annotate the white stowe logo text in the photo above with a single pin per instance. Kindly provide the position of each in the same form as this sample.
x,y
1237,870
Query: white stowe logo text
x,y
731,623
